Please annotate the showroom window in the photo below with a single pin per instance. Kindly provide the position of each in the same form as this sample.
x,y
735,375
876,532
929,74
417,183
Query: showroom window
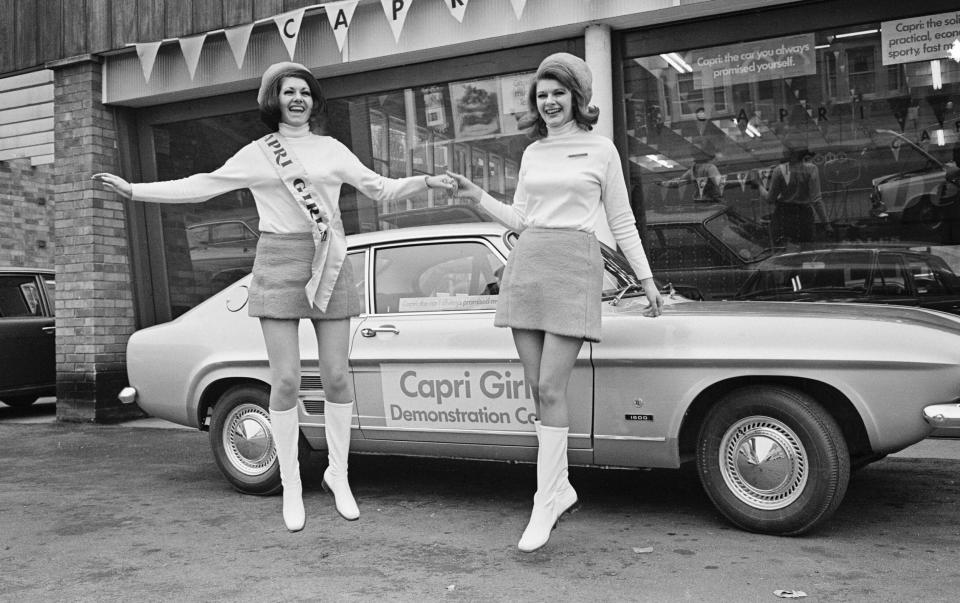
x,y
865,113
466,125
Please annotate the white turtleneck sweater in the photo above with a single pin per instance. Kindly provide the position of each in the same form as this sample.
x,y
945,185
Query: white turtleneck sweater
x,y
564,180
327,162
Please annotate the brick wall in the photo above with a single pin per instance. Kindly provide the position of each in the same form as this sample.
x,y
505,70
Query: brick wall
x,y
94,306
26,214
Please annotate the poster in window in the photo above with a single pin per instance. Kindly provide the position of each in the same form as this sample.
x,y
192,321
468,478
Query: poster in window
x,y
434,109
378,134
513,91
476,108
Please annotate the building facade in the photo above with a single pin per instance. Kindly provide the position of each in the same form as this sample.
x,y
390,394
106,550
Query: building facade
x,y
703,98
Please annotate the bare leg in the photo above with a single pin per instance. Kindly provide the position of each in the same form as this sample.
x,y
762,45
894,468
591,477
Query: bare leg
x,y
333,341
556,364
529,346
283,353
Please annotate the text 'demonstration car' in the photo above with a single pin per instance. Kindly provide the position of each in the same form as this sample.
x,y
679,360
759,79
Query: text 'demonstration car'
x,y
775,401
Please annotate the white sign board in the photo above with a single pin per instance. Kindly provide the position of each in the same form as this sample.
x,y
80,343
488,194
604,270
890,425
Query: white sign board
x,y
919,38
488,397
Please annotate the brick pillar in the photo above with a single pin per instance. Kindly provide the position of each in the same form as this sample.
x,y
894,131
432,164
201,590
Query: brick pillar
x,y
94,301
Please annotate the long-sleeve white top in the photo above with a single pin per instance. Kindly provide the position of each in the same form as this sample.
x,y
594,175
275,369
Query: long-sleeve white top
x,y
327,162
564,181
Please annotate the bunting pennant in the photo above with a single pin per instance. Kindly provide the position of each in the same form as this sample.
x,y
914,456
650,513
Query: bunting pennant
x,y
457,8
518,6
191,46
288,24
340,14
147,52
238,38
396,12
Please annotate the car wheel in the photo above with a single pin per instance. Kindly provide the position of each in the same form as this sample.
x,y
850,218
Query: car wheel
x,y
242,440
772,460
19,401
922,219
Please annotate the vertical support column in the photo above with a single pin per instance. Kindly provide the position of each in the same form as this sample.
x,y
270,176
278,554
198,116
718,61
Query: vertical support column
x,y
597,54
94,301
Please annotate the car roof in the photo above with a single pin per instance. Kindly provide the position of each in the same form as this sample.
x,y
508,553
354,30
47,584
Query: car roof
x,y
22,270
685,214
421,232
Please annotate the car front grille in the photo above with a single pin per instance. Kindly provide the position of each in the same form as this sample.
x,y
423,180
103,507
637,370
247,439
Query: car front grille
x,y
313,407
310,383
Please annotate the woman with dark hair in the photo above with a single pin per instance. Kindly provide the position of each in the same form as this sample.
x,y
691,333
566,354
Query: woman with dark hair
x,y
795,192
300,269
550,291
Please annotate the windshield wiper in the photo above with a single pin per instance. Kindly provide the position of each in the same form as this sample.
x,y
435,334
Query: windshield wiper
x,y
616,300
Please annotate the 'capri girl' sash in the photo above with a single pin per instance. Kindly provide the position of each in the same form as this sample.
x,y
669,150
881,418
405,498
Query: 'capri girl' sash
x,y
328,236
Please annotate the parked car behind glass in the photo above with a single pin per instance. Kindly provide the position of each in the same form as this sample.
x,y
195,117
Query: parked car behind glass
x,y
27,350
774,402
878,275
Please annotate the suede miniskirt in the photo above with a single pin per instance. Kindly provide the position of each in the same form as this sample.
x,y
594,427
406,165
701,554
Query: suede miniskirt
x,y
280,272
552,283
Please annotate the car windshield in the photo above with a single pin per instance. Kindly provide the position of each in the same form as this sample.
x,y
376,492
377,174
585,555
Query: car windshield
x,y
746,239
838,272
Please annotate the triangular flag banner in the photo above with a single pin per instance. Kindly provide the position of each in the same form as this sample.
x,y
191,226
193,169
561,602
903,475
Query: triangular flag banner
x,y
238,38
457,8
518,6
148,54
396,12
191,47
340,14
289,26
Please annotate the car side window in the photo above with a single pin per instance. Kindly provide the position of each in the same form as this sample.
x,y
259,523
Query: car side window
x,y
678,247
926,278
431,277
19,296
358,265
890,277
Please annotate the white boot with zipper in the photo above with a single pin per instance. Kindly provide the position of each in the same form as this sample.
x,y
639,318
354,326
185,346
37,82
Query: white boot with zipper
x,y
286,436
566,495
551,458
337,420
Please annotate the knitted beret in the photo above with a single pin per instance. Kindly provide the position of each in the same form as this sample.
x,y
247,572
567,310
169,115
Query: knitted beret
x,y
573,66
270,76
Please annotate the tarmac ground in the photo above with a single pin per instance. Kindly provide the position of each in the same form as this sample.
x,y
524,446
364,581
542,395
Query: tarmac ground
x,y
139,511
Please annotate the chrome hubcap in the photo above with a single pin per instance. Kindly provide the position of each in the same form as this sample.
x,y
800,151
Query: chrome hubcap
x,y
248,440
763,463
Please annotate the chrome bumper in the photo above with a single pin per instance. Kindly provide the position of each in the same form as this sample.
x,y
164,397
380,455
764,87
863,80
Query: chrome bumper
x,y
127,395
942,415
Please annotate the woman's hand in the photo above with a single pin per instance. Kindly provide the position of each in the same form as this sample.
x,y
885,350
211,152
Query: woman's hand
x,y
442,182
653,297
115,183
466,187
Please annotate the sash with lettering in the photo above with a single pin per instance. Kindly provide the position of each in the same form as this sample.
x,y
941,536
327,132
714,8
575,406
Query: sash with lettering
x,y
329,236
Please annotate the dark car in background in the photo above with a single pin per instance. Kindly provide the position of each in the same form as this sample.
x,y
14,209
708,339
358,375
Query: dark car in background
x,y
27,348
880,275
709,247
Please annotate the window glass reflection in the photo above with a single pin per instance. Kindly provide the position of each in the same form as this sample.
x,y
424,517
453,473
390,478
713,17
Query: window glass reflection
x,y
767,129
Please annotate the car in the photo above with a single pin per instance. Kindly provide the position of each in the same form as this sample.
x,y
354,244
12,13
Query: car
x,y
223,250
708,247
773,402
921,195
27,350
865,274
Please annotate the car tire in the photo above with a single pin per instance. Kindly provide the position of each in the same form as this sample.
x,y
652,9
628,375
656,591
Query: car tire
x,y
922,220
19,401
772,460
242,440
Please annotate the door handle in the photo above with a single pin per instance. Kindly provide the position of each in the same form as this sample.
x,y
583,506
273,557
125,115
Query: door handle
x,y
48,329
372,332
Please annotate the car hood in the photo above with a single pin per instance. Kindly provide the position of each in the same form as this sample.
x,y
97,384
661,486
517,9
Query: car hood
x,y
876,312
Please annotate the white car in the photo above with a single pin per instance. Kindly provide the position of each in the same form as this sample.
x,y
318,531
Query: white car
x,y
775,401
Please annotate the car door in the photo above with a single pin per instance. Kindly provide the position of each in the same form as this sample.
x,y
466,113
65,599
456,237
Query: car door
x,y
27,352
937,287
428,364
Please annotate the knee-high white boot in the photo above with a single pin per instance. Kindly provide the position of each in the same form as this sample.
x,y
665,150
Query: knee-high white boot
x,y
286,435
551,457
337,419
566,495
